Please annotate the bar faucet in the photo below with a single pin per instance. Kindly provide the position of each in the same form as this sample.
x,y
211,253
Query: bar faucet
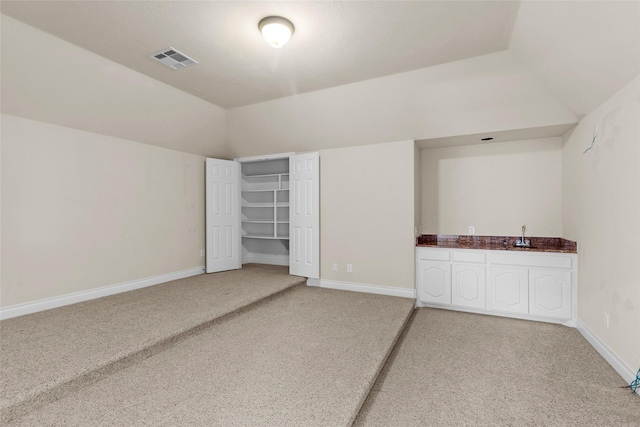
x,y
523,243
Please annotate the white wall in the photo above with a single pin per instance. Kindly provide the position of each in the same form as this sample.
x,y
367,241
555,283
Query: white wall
x,y
47,79
495,187
82,210
484,94
91,196
367,214
601,211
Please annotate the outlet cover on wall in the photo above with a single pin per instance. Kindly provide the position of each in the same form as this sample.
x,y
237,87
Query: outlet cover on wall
x,y
202,252
335,266
472,229
349,268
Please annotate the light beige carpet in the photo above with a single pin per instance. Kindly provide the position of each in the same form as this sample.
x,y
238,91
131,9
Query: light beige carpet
x,y
453,368
307,358
51,353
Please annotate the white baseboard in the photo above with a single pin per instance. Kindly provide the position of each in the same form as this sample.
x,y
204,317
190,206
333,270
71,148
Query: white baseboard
x,y
62,300
266,259
620,367
564,322
360,287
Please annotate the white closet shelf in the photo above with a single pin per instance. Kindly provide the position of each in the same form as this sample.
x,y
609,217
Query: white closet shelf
x,y
257,236
254,221
266,175
258,205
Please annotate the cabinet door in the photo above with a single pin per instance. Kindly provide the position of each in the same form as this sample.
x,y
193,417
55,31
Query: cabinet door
x,y
222,215
550,293
468,285
304,215
435,282
509,289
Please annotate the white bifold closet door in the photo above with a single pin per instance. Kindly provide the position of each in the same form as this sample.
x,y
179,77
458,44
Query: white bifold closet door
x,y
304,215
223,215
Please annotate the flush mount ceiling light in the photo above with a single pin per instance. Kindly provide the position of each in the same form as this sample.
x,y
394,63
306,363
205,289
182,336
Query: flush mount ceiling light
x,y
276,30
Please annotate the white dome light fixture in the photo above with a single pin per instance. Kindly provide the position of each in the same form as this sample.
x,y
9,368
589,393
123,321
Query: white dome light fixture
x,y
276,30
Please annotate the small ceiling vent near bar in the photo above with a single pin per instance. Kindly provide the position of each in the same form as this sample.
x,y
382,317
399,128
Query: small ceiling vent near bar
x,y
172,58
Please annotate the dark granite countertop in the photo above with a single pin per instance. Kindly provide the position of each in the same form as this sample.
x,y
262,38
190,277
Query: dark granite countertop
x,y
501,243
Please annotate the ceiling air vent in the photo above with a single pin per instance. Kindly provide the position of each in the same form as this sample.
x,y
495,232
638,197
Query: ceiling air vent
x,y
172,58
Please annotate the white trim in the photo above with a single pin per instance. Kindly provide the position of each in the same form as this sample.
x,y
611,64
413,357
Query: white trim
x,y
265,157
266,259
616,363
564,322
361,287
73,298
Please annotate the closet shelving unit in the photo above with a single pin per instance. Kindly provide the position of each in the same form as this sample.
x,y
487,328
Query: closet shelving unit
x,y
265,200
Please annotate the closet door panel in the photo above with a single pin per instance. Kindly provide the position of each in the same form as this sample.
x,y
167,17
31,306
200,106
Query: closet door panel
x,y
222,216
304,215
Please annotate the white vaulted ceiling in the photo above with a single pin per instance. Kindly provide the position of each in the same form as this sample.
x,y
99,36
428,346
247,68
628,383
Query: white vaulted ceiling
x,y
583,51
334,42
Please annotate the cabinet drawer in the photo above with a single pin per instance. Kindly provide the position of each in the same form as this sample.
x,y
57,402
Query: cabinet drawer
x,y
475,257
531,260
434,254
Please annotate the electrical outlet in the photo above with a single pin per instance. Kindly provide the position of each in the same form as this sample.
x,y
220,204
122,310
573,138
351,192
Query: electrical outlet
x,y
202,253
606,320
472,229
335,266
349,268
